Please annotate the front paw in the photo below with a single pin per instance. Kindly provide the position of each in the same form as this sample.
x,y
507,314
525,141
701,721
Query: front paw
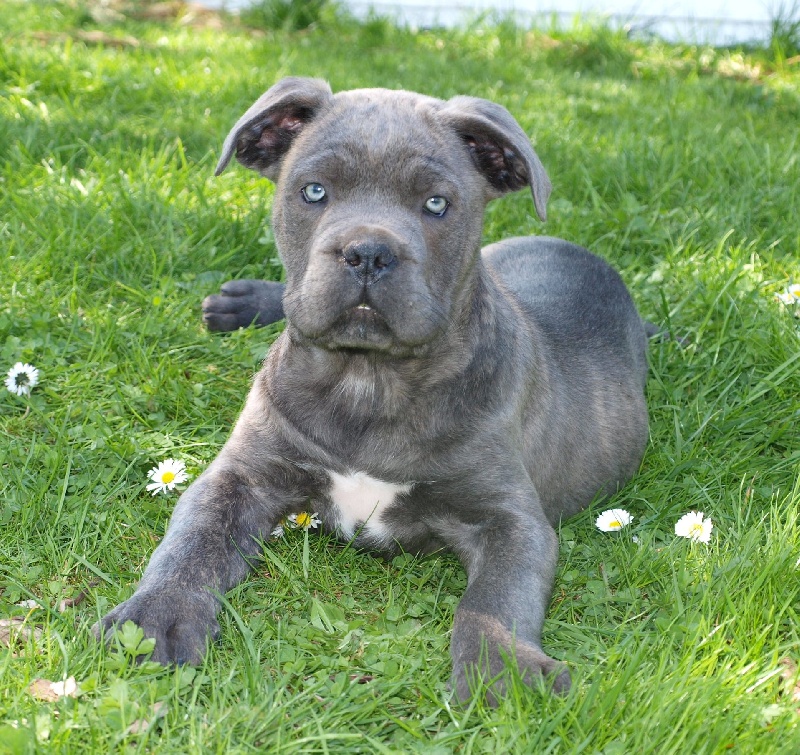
x,y
241,303
180,622
484,653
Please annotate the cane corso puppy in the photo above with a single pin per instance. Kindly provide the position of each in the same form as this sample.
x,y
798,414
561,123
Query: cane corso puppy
x,y
425,394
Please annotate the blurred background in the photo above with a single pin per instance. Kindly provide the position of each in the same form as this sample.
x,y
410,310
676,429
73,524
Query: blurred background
x,y
714,22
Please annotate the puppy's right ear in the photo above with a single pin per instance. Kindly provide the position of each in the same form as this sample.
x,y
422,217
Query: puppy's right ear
x,y
262,136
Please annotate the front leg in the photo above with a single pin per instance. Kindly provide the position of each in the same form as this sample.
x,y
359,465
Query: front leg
x,y
241,303
214,532
510,562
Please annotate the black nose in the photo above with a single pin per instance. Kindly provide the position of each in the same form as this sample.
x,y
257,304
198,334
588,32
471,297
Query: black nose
x,y
368,260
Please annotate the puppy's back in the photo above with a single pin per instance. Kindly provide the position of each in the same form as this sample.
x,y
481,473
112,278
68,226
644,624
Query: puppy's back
x,y
579,301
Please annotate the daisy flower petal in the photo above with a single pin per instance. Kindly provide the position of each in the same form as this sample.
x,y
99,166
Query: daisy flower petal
x,y
790,296
167,475
694,525
613,520
304,520
21,378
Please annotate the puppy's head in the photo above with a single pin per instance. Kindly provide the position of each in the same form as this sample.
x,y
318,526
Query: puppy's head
x,y
379,205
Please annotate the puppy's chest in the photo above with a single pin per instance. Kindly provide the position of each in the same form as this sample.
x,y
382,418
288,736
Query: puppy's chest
x,y
360,504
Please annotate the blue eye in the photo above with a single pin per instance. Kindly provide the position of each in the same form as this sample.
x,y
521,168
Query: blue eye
x,y
313,193
437,206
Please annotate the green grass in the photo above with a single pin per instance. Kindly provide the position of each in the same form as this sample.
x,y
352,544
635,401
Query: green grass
x,y
679,165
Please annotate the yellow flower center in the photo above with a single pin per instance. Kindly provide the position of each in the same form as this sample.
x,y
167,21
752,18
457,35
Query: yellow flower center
x,y
696,528
167,477
303,520
615,525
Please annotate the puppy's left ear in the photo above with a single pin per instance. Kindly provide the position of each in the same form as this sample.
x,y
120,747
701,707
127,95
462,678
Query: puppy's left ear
x,y
499,147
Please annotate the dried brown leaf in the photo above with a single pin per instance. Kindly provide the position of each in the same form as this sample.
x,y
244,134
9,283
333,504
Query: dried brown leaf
x,y
16,632
71,602
790,676
44,689
79,598
141,725
89,37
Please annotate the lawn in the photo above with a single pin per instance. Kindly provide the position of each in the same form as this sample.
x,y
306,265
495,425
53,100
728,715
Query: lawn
x,y
679,165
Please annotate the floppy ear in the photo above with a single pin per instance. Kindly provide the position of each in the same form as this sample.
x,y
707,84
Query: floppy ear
x,y
499,147
262,136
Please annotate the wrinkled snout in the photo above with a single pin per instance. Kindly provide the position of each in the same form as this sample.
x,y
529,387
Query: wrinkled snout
x,y
364,287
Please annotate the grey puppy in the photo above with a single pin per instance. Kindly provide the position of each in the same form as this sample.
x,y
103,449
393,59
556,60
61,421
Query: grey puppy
x,y
425,394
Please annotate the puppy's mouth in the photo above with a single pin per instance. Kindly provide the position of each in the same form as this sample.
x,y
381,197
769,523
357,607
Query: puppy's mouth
x,y
354,321
363,321
361,328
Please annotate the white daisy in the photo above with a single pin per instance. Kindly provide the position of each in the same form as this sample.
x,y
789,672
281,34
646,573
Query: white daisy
x,y
304,520
21,378
613,520
790,296
695,526
167,475
278,531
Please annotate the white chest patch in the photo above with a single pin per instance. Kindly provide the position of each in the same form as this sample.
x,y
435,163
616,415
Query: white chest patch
x,y
361,500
